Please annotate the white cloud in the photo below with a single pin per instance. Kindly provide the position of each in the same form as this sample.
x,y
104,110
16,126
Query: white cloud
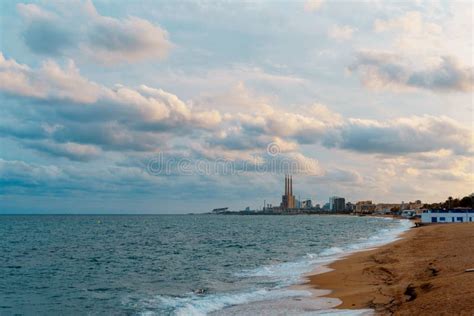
x,y
112,41
52,82
70,150
145,119
49,81
382,70
343,32
313,5
119,118
14,78
429,33
324,114
104,39
414,134
411,22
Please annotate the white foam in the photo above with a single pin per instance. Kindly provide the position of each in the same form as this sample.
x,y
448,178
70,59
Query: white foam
x,y
289,273
202,305
259,302
331,251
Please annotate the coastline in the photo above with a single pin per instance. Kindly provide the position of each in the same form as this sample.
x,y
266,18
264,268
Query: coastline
x,y
421,273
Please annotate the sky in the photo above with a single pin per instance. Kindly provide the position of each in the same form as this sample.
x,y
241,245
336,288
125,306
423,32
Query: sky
x,y
185,106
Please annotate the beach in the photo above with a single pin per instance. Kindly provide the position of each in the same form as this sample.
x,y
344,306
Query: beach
x,y
422,273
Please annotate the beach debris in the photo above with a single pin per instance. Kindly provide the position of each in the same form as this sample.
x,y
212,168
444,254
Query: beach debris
x,y
432,269
410,292
469,270
426,287
200,291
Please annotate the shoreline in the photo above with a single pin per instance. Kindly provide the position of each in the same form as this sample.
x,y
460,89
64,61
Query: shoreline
x,y
417,273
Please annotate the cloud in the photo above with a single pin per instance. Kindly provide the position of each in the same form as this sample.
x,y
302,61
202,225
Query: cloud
x,y
70,150
70,116
434,167
105,39
20,178
340,33
15,173
313,5
381,70
238,99
48,82
217,161
72,111
342,176
42,34
411,22
112,41
400,136
307,126
317,124
52,82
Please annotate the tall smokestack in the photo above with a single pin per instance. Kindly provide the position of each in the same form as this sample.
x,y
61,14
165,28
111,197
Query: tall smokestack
x,y
286,185
291,186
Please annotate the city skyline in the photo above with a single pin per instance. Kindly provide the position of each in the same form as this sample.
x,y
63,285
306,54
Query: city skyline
x,y
119,107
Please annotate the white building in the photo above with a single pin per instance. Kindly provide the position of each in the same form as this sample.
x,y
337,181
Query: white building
x,y
447,216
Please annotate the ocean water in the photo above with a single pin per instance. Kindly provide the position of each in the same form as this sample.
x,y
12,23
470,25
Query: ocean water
x,y
175,264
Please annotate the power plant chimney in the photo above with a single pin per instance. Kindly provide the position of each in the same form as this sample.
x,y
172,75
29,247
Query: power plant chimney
x,y
291,186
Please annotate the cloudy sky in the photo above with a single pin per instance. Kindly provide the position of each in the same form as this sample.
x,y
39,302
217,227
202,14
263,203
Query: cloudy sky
x,y
171,107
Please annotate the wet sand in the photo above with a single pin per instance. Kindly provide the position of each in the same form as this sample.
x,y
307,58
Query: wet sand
x,y
421,274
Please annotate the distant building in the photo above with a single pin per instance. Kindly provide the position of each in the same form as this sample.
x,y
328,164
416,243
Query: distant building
x,y
298,204
447,216
365,207
326,207
220,210
306,204
408,214
350,207
386,208
337,204
415,206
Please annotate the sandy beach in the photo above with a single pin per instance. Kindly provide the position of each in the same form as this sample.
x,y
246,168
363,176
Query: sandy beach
x,y
421,274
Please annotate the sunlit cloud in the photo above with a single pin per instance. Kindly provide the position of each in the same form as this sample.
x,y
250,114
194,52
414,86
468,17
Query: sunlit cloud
x,y
381,70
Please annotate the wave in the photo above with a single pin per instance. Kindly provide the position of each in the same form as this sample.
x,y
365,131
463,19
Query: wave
x,y
283,275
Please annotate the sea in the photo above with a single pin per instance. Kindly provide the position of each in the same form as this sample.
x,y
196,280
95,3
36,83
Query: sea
x,y
177,264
